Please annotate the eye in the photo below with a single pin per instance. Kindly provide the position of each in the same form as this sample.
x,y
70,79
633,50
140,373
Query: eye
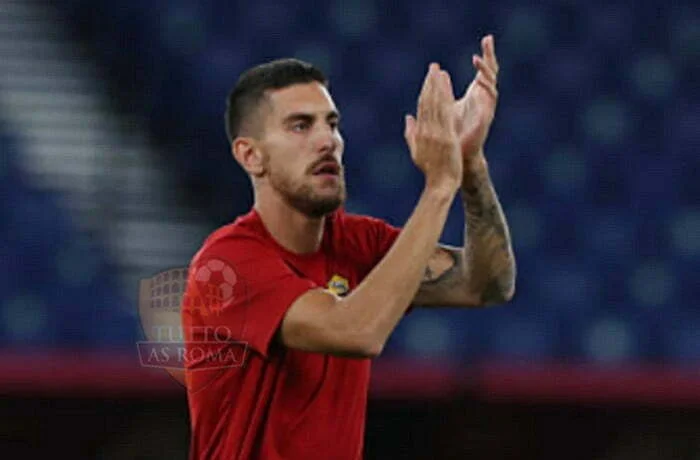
x,y
300,126
334,124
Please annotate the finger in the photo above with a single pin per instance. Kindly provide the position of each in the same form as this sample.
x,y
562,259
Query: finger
x,y
488,48
445,92
488,86
427,93
427,80
459,108
430,110
446,100
409,129
482,67
430,79
447,86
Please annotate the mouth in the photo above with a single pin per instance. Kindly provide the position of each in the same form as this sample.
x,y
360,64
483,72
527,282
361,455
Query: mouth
x,y
326,168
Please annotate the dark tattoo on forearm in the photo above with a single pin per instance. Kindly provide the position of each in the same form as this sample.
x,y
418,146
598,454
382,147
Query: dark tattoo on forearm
x,y
488,252
443,282
441,266
428,276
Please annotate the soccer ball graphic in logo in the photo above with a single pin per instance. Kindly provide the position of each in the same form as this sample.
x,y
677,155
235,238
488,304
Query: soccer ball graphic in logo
x,y
216,281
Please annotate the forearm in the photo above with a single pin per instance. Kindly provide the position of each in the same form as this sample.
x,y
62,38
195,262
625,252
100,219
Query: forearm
x,y
488,253
381,300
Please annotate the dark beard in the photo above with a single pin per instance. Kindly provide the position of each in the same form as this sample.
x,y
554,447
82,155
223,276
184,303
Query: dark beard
x,y
304,200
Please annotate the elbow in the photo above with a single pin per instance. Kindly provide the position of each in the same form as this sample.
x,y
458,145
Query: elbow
x,y
373,349
498,291
506,295
362,345
358,335
506,291
339,342
364,352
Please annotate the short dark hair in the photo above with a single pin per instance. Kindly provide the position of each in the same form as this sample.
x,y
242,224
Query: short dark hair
x,y
251,86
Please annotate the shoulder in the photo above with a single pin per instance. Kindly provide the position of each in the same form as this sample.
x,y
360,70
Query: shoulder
x,y
243,239
362,236
359,222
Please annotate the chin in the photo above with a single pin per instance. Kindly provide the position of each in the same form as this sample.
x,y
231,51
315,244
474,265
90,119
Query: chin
x,y
325,199
314,199
324,206
316,205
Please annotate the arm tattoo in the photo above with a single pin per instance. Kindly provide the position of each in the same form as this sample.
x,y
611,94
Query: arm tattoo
x,y
443,268
428,277
443,282
487,247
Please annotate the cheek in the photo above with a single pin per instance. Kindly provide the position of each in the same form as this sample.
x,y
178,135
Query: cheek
x,y
341,145
288,168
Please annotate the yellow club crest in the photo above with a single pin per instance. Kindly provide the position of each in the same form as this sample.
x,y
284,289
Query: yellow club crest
x,y
338,285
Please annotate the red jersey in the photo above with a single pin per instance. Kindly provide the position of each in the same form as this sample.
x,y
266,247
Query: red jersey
x,y
249,396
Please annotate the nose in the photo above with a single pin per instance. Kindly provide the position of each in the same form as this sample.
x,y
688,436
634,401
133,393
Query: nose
x,y
326,140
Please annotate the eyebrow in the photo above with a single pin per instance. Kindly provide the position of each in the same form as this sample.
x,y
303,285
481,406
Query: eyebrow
x,y
305,116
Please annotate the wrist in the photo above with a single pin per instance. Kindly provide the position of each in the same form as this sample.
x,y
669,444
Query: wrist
x,y
475,166
440,191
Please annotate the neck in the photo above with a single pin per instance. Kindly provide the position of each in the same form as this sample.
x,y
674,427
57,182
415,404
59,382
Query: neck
x,y
292,229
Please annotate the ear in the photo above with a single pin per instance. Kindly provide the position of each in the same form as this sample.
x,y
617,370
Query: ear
x,y
248,155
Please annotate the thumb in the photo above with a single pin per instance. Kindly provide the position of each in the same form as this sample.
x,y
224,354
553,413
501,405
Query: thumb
x,y
409,129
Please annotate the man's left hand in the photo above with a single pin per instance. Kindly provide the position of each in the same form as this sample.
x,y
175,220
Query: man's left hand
x,y
476,109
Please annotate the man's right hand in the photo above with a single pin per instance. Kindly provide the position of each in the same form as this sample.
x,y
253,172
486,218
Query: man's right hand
x,y
432,137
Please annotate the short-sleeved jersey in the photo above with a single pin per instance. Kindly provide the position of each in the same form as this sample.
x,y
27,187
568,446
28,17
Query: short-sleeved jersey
x,y
249,396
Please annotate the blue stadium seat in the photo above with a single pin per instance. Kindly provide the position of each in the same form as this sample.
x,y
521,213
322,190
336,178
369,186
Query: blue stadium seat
x,y
593,151
52,286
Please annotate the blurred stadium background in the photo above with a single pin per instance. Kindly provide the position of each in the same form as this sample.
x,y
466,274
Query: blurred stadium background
x,y
115,166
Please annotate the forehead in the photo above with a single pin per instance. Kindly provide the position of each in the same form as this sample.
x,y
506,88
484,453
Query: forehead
x,y
303,98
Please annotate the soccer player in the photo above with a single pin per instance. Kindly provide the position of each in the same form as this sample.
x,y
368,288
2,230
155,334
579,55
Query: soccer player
x,y
312,292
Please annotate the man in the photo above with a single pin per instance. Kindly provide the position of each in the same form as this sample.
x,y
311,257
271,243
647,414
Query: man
x,y
313,293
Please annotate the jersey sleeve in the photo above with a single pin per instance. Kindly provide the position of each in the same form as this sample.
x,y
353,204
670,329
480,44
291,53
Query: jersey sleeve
x,y
387,235
240,290
383,235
